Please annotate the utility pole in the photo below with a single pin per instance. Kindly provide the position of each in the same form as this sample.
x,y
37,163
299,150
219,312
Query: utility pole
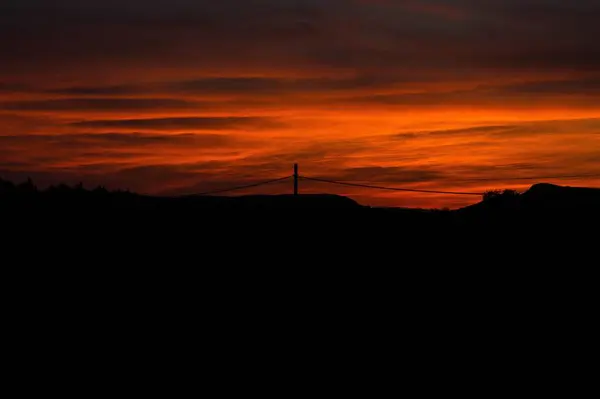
x,y
295,179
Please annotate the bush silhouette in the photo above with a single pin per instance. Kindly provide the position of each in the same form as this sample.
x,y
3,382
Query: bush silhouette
x,y
500,195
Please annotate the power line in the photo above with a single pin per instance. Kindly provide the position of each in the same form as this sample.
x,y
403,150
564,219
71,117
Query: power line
x,y
226,190
395,188
388,188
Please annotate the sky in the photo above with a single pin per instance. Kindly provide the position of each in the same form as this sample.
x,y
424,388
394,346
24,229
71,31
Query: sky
x,y
188,96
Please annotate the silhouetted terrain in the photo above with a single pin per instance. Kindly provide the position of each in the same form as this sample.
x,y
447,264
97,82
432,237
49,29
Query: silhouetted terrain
x,y
569,204
110,226
225,254
541,205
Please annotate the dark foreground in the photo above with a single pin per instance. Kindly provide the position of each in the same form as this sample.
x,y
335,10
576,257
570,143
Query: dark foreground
x,y
253,229
121,273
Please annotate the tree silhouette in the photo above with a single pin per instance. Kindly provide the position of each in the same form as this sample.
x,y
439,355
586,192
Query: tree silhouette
x,y
500,195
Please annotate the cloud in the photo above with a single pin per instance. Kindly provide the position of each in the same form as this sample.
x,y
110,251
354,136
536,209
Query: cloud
x,y
580,87
490,134
153,177
392,175
188,123
470,131
118,140
463,34
13,87
82,152
579,93
438,9
258,85
250,86
95,104
431,98
108,90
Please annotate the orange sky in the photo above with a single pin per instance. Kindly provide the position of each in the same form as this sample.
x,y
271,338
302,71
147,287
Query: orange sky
x,y
182,97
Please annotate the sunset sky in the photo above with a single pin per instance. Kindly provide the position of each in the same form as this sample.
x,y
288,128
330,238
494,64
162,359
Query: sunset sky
x,y
184,96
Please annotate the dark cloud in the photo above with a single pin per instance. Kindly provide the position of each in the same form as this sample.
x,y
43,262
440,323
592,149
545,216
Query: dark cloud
x,y
318,152
560,87
13,165
117,140
197,123
520,173
348,34
96,104
152,177
390,175
250,86
525,129
253,85
473,172
138,32
45,152
13,87
477,130
100,90
583,93
432,98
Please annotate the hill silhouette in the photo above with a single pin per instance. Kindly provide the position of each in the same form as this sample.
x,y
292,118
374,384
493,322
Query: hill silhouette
x,y
542,204
120,225
551,196
541,200
543,196
286,201
225,250
26,197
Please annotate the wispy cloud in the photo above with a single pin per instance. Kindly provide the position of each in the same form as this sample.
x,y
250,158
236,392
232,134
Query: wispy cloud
x,y
188,123
118,140
469,131
97,104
